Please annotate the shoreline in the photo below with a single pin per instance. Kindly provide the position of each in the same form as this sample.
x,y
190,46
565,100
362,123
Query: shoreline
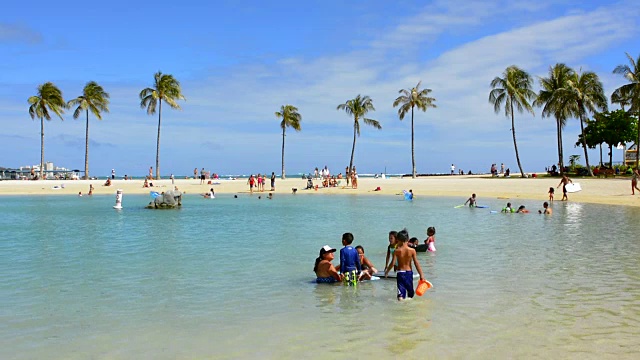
x,y
611,191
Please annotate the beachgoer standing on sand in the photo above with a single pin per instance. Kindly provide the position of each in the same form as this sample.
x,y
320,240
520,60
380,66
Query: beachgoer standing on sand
x,y
404,275
195,173
202,176
551,192
113,174
634,181
347,174
273,181
453,169
564,181
251,182
501,168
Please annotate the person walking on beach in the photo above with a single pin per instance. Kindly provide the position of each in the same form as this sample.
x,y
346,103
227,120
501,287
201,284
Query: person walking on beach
x,y
273,181
202,176
501,168
195,173
113,174
564,182
453,169
173,180
404,275
634,181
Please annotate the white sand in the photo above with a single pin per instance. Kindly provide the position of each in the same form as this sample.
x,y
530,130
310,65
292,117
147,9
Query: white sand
x,y
616,191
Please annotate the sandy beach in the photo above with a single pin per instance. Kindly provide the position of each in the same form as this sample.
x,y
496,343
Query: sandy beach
x,y
612,191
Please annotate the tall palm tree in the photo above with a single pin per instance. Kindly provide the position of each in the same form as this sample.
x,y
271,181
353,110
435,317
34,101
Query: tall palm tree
x,y
514,89
166,88
550,101
290,118
410,99
358,108
584,94
631,91
93,99
49,99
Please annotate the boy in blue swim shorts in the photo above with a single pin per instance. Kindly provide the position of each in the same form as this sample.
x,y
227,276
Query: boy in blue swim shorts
x,y
350,265
404,255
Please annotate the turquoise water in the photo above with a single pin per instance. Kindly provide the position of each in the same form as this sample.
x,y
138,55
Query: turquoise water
x,y
231,278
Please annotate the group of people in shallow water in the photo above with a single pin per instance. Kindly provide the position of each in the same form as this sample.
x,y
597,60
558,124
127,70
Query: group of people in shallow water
x,y
355,266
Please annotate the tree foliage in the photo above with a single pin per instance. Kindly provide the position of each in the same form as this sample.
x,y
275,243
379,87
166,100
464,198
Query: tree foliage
x,y
611,128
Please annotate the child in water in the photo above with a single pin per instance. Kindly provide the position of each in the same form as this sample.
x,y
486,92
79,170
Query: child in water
x,y
551,191
391,248
404,255
367,267
349,259
471,201
508,208
431,239
413,243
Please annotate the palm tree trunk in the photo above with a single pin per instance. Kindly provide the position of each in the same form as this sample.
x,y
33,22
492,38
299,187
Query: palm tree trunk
x,y
86,150
158,143
41,148
515,145
353,148
584,146
413,157
560,152
600,154
611,156
637,143
282,176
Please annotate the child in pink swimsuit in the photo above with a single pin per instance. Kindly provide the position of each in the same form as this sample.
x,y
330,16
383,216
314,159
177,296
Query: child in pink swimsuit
x,y
431,239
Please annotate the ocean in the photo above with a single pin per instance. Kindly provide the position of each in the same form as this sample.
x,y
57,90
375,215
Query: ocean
x,y
231,278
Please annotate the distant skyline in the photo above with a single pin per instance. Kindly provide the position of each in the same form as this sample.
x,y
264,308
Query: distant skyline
x,y
238,63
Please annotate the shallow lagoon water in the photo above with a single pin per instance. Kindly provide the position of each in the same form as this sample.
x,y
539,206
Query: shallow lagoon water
x,y
232,278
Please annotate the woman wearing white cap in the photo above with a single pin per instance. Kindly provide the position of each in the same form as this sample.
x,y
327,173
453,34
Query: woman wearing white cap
x,y
324,269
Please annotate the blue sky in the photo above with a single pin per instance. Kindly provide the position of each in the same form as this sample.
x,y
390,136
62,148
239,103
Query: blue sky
x,y
238,62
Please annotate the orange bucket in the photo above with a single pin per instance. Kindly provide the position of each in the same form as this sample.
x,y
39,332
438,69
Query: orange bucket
x,y
423,286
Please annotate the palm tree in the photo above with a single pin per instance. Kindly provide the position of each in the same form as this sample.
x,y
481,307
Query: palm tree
x,y
631,91
513,89
166,88
408,100
290,118
49,99
584,94
358,108
573,160
551,103
93,99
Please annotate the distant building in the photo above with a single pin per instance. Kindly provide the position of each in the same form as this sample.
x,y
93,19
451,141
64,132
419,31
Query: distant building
x,y
630,155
